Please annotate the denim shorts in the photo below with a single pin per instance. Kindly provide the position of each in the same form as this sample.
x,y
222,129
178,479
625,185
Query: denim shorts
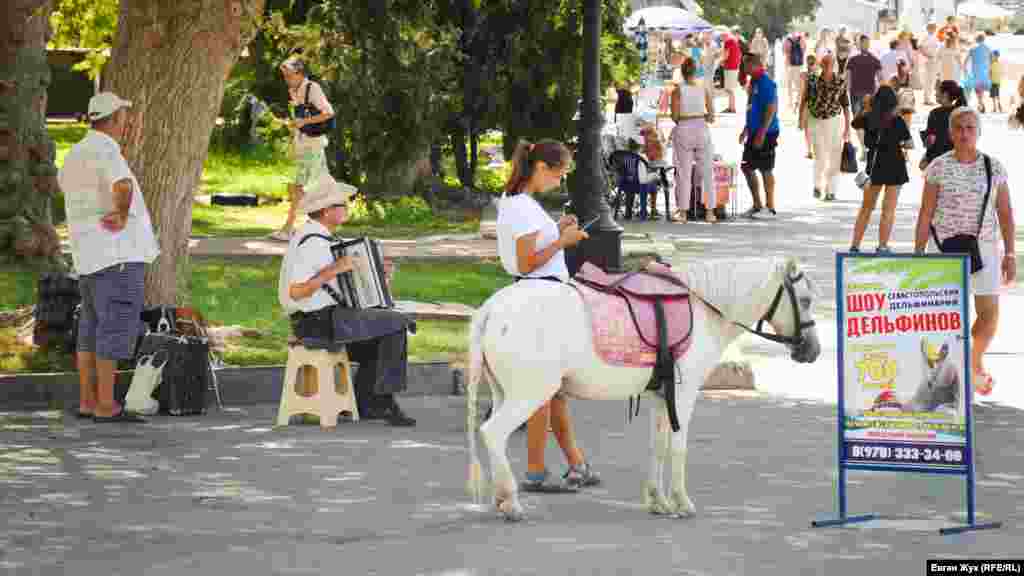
x,y
111,317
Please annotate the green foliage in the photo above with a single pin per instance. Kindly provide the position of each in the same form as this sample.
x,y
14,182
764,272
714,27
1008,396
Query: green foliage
x,y
772,16
89,24
405,211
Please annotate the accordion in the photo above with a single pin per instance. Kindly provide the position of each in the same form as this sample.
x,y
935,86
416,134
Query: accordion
x,y
365,286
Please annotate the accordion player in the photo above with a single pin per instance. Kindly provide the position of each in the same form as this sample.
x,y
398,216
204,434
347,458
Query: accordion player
x,y
366,285
332,306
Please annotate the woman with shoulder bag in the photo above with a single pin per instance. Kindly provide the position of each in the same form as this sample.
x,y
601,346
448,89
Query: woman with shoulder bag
x,y
887,138
966,209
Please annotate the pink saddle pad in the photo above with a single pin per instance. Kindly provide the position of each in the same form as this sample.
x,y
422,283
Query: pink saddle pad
x,y
617,338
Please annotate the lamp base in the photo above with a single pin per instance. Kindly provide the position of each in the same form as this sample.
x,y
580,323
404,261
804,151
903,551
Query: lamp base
x,y
603,249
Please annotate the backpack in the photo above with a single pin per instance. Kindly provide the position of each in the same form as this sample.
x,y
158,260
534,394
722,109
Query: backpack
x,y
307,110
796,52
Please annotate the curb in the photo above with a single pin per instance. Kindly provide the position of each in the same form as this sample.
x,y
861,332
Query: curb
x,y
238,386
262,385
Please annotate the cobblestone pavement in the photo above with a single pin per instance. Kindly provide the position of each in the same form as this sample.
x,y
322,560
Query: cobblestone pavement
x,y
225,493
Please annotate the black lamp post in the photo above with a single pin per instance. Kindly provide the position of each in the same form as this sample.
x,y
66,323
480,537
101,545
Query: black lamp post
x,y
604,247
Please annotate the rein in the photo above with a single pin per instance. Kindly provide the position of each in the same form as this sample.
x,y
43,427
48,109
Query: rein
x,y
787,285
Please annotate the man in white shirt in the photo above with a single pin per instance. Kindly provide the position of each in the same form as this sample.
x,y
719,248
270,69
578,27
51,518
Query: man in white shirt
x,y
930,52
308,290
112,240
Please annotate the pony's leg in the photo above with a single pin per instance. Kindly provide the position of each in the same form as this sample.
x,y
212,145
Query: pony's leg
x,y
654,495
506,418
693,374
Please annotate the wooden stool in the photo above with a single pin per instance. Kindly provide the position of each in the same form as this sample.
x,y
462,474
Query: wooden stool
x,y
310,386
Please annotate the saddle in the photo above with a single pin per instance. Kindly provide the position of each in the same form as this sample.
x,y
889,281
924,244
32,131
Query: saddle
x,y
660,313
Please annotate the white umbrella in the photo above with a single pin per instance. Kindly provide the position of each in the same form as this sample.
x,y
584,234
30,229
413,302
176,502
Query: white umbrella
x,y
667,19
982,10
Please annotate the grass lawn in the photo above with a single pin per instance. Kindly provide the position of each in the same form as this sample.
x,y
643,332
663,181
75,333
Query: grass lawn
x,y
266,175
244,293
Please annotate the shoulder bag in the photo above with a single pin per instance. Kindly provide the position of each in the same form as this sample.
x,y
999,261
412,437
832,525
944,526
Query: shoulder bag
x,y
307,110
968,243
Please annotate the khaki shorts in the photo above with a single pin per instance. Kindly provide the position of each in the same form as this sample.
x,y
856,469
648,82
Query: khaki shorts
x,y
732,79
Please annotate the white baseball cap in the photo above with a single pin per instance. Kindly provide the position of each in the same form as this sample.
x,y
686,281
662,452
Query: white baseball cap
x,y
104,104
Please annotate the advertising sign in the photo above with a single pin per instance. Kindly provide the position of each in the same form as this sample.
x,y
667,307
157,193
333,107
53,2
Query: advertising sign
x,y
904,361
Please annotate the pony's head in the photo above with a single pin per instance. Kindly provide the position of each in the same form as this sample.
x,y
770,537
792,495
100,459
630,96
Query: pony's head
x,y
790,311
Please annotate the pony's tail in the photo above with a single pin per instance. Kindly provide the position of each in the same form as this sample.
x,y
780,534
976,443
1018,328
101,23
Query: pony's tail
x,y
474,484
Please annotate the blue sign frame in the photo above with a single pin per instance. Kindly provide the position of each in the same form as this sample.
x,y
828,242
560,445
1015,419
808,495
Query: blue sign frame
x,y
935,463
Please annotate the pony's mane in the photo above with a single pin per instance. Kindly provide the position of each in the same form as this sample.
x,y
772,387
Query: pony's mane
x,y
729,283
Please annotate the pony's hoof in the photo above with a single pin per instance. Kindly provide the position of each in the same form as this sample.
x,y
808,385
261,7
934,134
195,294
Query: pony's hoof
x,y
684,507
656,503
510,510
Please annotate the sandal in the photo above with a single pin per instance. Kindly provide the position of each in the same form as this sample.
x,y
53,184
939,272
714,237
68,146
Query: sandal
x,y
983,383
679,216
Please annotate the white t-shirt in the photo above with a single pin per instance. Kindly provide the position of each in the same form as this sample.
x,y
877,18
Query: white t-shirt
x,y
890,61
961,192
301,263
87,178
519,215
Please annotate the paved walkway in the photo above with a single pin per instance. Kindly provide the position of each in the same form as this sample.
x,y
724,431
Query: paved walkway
x,y
227,494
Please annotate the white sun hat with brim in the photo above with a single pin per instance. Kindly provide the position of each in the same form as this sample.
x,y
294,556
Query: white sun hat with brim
x,y
106,103
326,192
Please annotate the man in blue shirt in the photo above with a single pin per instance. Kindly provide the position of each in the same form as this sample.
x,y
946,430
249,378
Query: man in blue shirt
x,y
760,136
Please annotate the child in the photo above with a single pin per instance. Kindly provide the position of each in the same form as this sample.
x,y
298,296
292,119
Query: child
x,y
996,72
1017,119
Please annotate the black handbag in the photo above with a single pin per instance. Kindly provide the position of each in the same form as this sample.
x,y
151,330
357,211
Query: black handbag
x,y
307,110
848,164
968,243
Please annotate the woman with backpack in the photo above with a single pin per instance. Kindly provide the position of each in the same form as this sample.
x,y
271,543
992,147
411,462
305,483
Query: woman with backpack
x,y
314,116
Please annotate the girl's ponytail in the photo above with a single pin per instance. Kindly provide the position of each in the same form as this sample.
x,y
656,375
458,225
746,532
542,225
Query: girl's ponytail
x,y
520,168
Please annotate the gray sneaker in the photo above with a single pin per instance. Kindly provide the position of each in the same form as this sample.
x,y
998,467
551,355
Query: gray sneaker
x,y
753,213
548,485
582,476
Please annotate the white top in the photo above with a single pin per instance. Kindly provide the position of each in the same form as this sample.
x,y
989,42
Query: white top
x,y
87,179
930,47
519,215
962,189
889,61
318,99
691,100
301,263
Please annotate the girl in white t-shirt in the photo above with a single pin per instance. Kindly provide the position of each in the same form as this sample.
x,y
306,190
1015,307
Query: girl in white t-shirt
x,y
531,245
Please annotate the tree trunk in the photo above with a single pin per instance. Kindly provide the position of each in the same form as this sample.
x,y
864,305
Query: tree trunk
x,y
28,175
394,181
171,58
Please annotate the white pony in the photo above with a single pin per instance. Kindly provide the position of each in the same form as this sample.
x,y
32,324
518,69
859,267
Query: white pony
x,y
534,340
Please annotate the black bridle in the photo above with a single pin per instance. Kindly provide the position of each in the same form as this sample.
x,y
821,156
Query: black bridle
x,y
797,338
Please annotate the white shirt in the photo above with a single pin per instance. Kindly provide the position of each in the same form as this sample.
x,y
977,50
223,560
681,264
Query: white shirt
x,y
301,263
930,47
91,168
890,61
519,215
